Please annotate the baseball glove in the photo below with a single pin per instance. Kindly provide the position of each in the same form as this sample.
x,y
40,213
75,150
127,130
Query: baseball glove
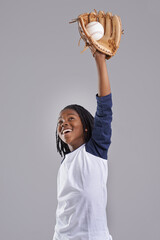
x,y
110,41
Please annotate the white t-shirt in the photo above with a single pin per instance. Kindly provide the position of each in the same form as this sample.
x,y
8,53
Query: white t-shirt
x,y
82,183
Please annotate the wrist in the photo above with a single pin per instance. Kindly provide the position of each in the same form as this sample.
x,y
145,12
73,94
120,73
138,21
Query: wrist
x,y
100,62
100,57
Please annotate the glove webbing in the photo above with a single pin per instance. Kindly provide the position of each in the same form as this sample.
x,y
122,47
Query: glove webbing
x,y
87,45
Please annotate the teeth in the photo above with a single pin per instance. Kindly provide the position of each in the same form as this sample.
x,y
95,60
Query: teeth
x,y
67,130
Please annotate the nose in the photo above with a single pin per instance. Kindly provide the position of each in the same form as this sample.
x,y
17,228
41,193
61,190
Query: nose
x,y
64,123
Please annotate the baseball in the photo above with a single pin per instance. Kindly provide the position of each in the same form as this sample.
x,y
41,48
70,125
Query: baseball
x,y
95,29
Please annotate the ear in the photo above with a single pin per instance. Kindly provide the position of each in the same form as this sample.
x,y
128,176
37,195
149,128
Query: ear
x,y
86,129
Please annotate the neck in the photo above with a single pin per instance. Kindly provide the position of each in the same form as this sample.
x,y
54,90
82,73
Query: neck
x,y
75,146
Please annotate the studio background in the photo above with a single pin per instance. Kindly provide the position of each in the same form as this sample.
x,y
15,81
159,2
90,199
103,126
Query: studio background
x,y
42,71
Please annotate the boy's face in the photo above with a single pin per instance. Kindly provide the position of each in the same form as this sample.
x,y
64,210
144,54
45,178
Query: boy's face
x,y
70,129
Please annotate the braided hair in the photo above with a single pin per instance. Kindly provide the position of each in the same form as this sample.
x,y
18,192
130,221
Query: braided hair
x,y
87,122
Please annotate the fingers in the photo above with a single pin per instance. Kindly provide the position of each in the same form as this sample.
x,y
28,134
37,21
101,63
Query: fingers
x,y
116,35
108,26
101,18
92,17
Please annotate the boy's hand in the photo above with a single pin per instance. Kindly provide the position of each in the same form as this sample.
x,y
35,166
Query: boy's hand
x,y
99,56
110,41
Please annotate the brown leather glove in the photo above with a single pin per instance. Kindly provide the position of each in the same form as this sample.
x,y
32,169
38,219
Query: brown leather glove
x,y
109,43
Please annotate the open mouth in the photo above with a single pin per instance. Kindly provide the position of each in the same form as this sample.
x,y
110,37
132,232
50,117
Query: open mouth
x,y
67,131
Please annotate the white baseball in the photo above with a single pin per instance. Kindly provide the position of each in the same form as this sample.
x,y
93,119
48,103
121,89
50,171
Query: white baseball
x,y
95,29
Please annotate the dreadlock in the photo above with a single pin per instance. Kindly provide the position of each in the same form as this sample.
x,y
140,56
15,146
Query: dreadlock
x,y
87,121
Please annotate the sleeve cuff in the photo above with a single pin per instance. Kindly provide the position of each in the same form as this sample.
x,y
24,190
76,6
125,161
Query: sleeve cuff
x,y
104,99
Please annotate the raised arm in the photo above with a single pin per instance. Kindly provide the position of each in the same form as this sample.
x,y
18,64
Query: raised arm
x,y
100,140
103,80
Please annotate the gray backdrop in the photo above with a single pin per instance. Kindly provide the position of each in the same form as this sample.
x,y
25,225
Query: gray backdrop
x,y
42,71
